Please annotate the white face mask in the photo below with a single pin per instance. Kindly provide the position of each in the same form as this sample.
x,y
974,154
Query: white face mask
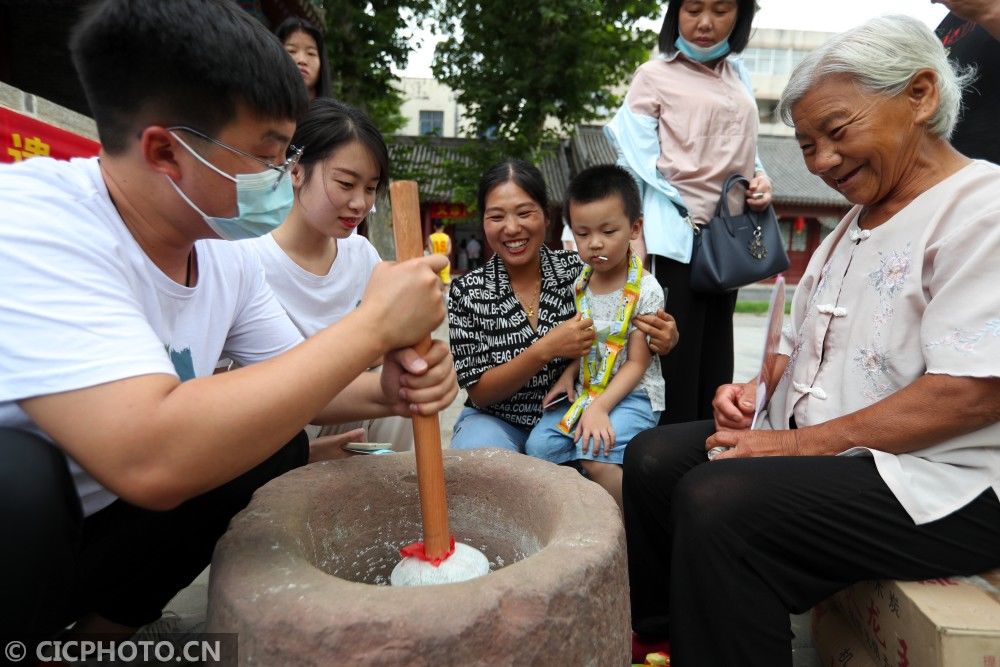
x,y
262,207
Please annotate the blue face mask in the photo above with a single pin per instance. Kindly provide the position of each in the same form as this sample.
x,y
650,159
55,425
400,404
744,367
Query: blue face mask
x,y
262,206
702,54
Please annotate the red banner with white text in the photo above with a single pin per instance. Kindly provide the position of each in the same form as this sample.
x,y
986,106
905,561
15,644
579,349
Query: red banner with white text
x,y
23,137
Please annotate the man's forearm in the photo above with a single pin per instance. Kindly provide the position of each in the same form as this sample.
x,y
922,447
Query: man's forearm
x,y
146,438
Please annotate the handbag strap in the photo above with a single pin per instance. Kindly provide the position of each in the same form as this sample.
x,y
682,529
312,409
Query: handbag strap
x,y
722,209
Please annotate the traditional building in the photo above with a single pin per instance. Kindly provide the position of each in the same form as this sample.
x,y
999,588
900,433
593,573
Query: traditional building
x,y
427,159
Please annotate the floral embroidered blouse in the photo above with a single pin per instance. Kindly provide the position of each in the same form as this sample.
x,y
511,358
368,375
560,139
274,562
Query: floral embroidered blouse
x,y
877,309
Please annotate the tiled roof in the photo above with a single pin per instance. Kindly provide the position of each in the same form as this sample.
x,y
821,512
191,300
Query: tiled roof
x,y
588,146
793,184
426,158
555,170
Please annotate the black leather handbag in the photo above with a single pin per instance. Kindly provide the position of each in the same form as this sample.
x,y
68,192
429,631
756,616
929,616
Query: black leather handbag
x,y
736,250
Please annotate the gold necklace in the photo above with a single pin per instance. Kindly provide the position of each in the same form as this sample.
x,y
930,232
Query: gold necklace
x,y
530,306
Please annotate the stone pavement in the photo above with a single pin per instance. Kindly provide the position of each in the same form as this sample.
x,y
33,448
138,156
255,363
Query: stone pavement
x,y
748,332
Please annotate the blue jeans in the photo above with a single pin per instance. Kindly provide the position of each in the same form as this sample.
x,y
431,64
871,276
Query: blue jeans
x,y
474,429
631,416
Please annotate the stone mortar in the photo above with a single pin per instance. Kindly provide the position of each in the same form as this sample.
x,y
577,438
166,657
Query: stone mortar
x,y
299,575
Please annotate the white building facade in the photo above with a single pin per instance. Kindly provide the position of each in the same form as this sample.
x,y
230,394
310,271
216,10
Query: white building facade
x,y
770,57
430,108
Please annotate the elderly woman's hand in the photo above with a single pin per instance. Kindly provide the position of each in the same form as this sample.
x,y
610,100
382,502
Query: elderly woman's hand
x,y
734,405
744,444
759,192
661,329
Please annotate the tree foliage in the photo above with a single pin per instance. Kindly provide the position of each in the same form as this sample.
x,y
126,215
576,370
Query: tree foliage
x,y
364,41
517,65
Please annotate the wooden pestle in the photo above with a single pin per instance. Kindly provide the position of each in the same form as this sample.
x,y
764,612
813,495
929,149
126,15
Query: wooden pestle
x,y
408,234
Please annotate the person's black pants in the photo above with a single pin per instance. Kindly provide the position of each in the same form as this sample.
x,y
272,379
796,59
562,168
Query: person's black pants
x,y
123,562
702,360
721,553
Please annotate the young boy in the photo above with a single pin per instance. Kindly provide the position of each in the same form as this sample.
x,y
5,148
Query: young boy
x,y
619,391
122,458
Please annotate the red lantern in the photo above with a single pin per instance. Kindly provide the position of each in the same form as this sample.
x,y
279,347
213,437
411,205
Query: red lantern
x,y
800,225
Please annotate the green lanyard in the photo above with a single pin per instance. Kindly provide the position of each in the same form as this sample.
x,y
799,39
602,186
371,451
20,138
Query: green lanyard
x,y
599,362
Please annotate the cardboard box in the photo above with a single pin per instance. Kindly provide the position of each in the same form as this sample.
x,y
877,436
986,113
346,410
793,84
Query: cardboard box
x,y
834,640
947,622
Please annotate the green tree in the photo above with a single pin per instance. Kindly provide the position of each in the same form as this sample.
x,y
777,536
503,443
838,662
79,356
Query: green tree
x,y
519,63
364,41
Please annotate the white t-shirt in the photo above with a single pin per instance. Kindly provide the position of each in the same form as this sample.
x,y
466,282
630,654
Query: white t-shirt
x,y
81,304
315,302
877,309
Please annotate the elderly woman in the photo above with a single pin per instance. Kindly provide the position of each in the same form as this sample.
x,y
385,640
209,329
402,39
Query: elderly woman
x,y
880,456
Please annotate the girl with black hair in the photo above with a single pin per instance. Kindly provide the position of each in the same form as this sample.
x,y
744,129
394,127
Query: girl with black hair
x,y
689,121
315,263
304,43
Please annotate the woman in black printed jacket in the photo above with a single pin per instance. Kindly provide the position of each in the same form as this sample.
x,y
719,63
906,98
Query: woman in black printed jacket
x,y
513,321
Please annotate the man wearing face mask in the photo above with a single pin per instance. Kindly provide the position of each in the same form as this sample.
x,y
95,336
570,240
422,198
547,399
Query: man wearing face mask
x,y
122,458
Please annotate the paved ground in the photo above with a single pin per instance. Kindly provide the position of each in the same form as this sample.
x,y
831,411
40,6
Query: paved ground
x,y
749,343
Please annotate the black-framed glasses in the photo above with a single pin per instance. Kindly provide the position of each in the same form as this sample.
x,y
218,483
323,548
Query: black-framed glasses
x,y
294,153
